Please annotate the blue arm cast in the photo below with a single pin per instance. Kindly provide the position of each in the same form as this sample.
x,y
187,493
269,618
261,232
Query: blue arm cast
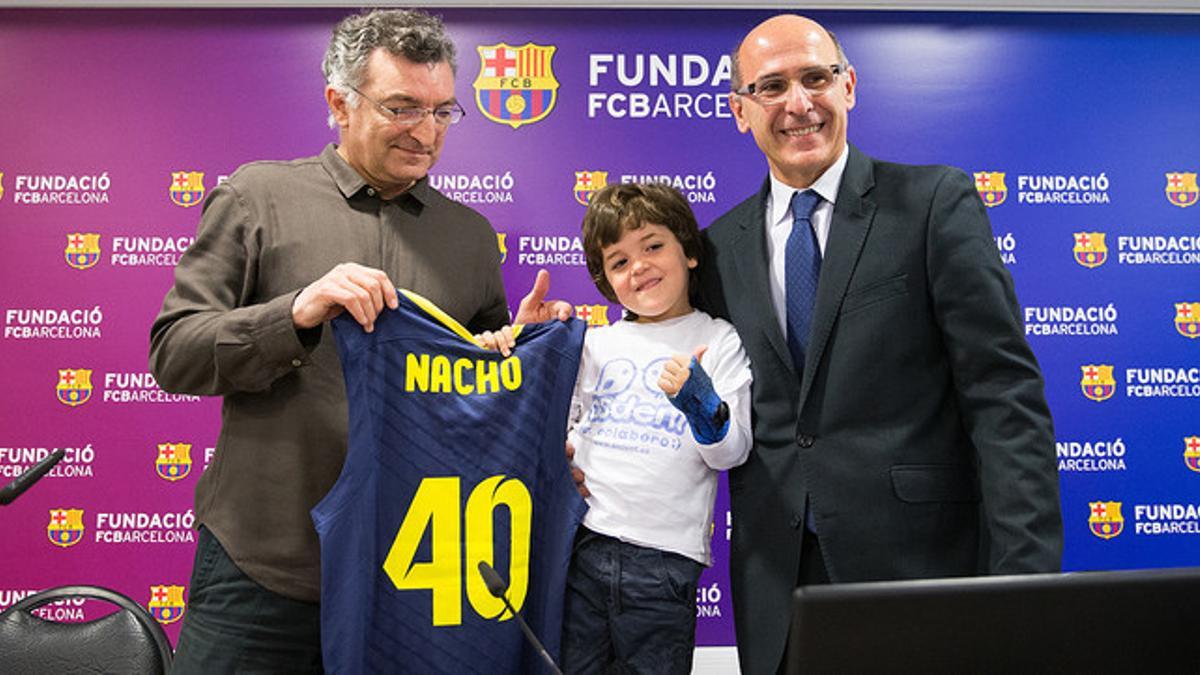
x,y
707,414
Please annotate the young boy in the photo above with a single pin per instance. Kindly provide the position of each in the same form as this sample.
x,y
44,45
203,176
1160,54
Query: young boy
x,y
662,404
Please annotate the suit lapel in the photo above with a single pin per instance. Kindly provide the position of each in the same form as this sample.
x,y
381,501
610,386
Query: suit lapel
x,y
753,270
852,216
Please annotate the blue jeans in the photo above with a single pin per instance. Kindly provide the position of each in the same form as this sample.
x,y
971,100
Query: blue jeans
x,y
234,625
628,608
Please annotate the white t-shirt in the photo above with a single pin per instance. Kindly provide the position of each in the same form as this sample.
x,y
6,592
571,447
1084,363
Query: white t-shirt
x,y
652,484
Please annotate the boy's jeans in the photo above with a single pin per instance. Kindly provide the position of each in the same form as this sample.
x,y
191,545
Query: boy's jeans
x,y
628,608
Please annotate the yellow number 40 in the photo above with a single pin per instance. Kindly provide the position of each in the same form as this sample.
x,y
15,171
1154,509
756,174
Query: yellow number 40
x,y
437,507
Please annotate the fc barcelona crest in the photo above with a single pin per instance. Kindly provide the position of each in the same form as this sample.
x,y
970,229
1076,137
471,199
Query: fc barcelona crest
x,y
501,238
166,603
74,386
1098,383
1105,520
1182,190
1187,319
1191,453
174,461
592,315
187,187
1090,249
516,85
66,527
83,250
991,188
588,183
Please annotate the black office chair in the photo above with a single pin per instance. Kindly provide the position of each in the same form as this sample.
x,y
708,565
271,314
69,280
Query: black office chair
x,y
126,641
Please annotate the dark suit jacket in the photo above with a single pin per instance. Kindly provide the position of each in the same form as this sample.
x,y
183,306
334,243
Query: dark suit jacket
x,y
919,434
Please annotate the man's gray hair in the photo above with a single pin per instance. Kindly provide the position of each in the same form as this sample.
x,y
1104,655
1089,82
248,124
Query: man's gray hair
x,y
417,36
735,67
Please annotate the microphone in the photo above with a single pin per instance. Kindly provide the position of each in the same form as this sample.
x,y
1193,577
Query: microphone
x,y
26,480
495,586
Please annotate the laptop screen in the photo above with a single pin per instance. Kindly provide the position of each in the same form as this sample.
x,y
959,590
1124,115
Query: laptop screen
x,y
1097,622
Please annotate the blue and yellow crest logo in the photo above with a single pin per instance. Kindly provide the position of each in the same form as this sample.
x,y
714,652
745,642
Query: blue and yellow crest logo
x,y
187,187
991,188
66,527
174,461
587,183
166,603
74,386
1187,319
592,315
516,85
1098,383
1105,520
1090,249
83,250
1182,190
502,242
1191,452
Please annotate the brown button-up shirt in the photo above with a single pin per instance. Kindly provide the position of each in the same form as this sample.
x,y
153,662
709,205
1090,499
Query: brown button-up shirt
x,y
226,329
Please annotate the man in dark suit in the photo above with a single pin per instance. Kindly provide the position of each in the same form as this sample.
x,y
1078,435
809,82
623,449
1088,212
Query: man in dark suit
x,y
900,425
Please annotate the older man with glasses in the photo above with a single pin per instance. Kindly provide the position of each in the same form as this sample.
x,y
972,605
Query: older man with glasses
x,y
282,248
900,425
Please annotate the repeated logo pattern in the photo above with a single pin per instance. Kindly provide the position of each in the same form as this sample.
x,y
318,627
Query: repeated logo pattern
x,y
65,527
74,386
1105,520
991,187
588,183
1182,190
83,250
1098,383
166,603
516,85
187,188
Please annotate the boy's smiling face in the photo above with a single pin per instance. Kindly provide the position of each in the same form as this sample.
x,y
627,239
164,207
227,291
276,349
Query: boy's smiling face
x,y
648,271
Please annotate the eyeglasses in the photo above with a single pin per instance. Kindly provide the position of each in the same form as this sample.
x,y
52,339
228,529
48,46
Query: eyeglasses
x,y
774,89
409,115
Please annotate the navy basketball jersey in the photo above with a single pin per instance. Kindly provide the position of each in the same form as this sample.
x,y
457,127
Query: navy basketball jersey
x,y
455,457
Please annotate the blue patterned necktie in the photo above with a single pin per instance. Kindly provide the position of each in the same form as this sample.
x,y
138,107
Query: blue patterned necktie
x,y
802,269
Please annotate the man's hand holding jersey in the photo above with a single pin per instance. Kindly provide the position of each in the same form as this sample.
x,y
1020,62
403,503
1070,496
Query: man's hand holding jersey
x,y
349,287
